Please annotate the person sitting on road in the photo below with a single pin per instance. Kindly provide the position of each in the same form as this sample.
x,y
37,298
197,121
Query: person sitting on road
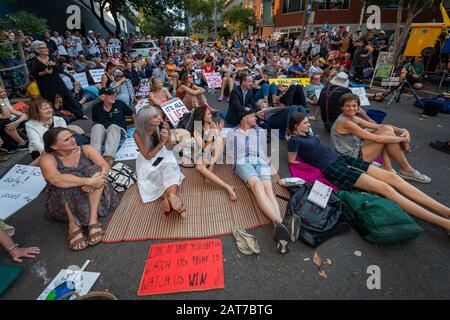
x,y
228,77
172,73
246,145
240,98
78,191
347,173
109,124
314,85
350,136
108,76
158,95
192,95
157,169
209,147
124,88
131,74
15,252
413,71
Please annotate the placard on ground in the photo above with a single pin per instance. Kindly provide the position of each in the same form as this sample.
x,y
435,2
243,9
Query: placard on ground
x,y
183,266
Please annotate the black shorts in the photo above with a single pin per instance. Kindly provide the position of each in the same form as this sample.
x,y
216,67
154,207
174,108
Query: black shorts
x,y
345,171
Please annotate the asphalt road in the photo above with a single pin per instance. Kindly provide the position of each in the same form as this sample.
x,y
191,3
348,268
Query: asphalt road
x,y
413,270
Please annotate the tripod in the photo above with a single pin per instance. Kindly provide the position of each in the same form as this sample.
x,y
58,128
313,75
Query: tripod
x,y
397,92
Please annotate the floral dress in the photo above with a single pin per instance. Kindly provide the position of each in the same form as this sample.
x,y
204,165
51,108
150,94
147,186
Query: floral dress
x,y
76,198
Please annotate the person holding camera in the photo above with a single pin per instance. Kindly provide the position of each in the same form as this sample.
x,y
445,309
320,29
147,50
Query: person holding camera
x,y
413,72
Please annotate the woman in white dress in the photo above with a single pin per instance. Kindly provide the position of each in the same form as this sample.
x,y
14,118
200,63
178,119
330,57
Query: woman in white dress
x,y
157,169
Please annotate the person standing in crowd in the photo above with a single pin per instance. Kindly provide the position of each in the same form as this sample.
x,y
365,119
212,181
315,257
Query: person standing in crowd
x,y
361,60
78,192
109,119
76,39
335,44
91,44
59,41
158,173
246,150
46,72
51,45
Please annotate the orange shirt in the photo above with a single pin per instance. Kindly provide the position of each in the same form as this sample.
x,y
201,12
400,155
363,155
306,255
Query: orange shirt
x,y
171,68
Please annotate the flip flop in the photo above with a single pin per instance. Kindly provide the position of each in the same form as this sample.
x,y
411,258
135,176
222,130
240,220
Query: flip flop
x,y
415,176
241,242
250,239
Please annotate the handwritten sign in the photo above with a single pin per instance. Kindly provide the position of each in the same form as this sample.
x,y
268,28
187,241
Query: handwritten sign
x,y
113,48
21,185
144,88
287,81
361,93
183,266
128,150
82,79
96,74
214,80
174,110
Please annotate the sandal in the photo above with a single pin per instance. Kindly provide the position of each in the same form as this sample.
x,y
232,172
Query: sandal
x,y
414,176
245,242
74,242
99,234
177,205
169,211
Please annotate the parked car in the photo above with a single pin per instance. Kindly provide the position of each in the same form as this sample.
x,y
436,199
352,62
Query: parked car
x,y
145,48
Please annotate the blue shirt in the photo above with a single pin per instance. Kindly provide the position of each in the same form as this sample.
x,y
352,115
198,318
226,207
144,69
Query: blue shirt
x,y
294,68
311,151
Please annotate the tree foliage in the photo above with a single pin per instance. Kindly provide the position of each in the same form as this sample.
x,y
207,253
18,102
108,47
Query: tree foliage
x,y
28,22
238,19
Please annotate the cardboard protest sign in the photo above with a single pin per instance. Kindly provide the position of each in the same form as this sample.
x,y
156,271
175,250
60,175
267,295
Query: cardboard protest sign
x,y
183,266
82,79
214,80
128,150
174,110
143,88
21,185
143,103
287,81
96,74
361,93
67,81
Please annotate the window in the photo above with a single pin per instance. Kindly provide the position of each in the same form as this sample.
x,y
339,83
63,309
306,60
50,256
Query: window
x,y
142,45
333,4
389,5
292,6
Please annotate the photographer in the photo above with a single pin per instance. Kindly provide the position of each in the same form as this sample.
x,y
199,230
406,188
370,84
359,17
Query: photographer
x,y
413,72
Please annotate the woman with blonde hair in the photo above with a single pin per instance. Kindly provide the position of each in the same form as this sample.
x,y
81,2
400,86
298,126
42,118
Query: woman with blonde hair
x,y
157,169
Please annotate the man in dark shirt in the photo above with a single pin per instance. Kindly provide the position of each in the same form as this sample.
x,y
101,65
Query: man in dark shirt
x,y
109,123
131,74
240,98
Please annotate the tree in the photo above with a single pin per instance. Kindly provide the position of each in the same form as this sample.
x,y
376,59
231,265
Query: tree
x,y
154,8
238,19
155,26
25,21
202,13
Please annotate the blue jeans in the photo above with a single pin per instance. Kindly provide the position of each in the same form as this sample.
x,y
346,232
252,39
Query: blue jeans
x,y
266,90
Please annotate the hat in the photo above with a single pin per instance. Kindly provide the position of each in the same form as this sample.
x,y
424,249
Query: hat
x,y
106,91
90,31
382,32
118,73
245,112
341,80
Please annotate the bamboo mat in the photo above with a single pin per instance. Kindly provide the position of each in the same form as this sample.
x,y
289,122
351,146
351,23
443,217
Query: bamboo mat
x,y
210,212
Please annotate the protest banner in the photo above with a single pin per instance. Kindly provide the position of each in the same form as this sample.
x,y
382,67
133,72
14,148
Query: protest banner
x,y
214,80
82,79
21,185
361,93
128,150
143,88
143,103
96,74
287,81
183,266
384,67
174,110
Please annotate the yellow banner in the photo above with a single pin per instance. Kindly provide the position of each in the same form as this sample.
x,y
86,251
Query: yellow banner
x,y
445,16
287,81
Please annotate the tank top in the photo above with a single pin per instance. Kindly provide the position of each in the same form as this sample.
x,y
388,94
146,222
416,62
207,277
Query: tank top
x,y
345,144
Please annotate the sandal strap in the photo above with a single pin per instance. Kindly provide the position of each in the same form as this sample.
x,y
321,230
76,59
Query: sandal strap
x,y
94,226
72,235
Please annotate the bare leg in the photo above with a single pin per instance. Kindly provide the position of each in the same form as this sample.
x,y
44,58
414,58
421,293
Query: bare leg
x,y
271,195
73,226
408,190
261,198
222,88
94,202
15,136
212,177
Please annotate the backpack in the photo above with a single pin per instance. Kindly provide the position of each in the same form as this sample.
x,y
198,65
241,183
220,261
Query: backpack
x,y
317,224
121,177
378,220
441,102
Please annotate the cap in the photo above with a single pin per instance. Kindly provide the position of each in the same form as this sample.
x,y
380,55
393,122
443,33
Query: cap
x,y
245,112
382,32
106,91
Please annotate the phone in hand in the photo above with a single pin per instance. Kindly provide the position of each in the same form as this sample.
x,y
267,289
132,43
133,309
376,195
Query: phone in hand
x,y
157,161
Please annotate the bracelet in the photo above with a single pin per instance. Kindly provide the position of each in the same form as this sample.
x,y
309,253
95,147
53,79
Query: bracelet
x,y
15,246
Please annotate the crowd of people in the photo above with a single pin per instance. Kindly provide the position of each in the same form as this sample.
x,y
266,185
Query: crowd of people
x,y
75,165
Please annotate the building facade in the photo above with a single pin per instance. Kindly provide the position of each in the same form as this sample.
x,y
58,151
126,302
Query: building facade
x,y
288,15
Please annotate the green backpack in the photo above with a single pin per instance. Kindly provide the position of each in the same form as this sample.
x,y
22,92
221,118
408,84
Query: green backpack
x,y
378,220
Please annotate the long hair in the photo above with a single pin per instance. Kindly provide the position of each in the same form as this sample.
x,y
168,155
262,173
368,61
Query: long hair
x,y
33,111
199,115
294,120
142,121
51,137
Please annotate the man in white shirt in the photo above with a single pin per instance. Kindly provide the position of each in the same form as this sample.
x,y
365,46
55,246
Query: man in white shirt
x,y
306,43
92,45
76,39
246,150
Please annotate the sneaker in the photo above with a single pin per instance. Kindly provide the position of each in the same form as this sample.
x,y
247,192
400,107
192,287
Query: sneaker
x,y
441,146
220,99
23,147
294,224
8,151
282,238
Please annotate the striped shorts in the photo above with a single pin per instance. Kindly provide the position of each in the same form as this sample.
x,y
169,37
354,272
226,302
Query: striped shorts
x,y
345,171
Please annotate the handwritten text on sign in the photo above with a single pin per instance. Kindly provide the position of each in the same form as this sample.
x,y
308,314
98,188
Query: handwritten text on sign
x,y
214,80
183,266
174,110
19,187
97,74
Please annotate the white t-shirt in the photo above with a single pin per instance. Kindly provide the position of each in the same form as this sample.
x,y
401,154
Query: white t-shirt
x,y
77,42
59,44
285,62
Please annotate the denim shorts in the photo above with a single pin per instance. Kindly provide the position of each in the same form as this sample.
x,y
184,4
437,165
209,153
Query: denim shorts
x,y
253,167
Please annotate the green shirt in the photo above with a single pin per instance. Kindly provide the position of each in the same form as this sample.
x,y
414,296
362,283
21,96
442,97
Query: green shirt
x,y
418,69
